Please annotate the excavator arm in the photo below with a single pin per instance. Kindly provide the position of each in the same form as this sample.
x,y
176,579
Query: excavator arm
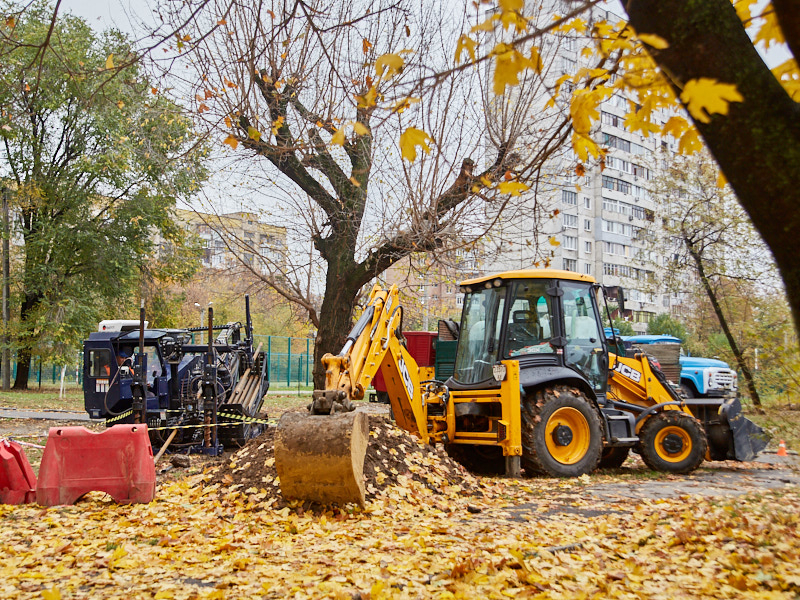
x,y
319,456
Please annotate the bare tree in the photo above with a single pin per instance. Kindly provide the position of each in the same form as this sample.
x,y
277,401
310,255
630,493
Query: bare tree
x,y
711,242
313,99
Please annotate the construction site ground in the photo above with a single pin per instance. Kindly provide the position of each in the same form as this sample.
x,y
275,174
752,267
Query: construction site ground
x,y
218,528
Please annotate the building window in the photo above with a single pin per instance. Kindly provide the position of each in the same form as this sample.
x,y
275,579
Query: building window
x,y
587,224
570,242
587,203
570,221
570,264
587,269
587,247
568,197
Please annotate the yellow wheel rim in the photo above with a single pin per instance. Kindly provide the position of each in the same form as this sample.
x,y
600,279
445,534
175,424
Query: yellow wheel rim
x,y
685,446
578,446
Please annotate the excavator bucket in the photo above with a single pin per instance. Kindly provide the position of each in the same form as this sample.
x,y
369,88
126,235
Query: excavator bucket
x,y
321,457
746,439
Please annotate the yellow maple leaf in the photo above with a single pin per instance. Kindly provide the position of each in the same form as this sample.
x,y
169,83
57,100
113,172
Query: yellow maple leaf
x,y
583,110
690,142
584,146
368,99
514,188
640,121
52,594
509,63
231,141
553,241
788,74
360,128
704,97
410,139
653,40
366,45
391,64
338,137
675,126
770,32
744,9
401,105
511,5
253,133
110,61
465,43
487,25
277,124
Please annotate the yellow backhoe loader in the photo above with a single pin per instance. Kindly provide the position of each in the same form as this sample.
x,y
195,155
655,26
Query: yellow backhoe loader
x,y
535,386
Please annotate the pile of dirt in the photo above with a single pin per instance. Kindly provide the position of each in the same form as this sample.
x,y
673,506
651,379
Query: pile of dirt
x,y
394,457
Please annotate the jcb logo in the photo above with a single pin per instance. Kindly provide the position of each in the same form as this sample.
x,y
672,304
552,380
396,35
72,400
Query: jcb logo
x,y
401,364
628,372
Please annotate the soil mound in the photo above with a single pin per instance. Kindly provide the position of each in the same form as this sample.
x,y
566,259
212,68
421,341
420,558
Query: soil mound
x,y
394,458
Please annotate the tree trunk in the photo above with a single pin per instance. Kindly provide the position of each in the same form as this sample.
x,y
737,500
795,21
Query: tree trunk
x,y
757,144
723,322
23,369
25,352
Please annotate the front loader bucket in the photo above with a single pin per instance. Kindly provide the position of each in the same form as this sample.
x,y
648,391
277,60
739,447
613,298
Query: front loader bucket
x,y
321,457
747,439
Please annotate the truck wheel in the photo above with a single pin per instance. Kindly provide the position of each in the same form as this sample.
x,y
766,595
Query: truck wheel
x,y
483,460
673,442
687,391
561,433
612,458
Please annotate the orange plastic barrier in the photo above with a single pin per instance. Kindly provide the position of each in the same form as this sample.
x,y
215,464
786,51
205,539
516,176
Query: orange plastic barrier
x,y
17,479
118,461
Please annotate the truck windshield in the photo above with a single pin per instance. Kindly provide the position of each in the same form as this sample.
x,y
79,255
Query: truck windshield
x,y
480,335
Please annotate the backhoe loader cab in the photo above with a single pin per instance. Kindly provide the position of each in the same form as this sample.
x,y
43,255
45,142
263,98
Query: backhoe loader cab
x,y
539,318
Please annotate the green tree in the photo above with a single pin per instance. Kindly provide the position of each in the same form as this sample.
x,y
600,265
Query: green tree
x,y
94,158
664,324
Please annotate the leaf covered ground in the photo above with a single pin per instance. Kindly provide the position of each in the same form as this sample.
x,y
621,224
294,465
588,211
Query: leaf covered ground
x,y
429,530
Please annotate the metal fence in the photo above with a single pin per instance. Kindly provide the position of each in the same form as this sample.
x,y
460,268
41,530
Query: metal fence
x,y
289,362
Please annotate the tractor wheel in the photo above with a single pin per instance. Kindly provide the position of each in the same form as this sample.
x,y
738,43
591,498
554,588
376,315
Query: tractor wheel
x,y
561,433
673,442
482,460
612,458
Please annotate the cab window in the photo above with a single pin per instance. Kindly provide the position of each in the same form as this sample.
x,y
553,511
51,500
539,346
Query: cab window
x,y
529,325
99,363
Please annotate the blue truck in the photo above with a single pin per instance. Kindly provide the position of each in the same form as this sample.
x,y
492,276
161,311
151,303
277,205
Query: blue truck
x,y
699,377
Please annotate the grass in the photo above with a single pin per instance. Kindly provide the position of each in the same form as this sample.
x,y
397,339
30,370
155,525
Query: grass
x,y
782,422
43,399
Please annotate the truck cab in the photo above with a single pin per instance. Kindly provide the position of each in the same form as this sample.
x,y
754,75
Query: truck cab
x,y
699,377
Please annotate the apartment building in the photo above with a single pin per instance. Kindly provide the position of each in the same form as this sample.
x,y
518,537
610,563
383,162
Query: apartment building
x,y
238,234
601,223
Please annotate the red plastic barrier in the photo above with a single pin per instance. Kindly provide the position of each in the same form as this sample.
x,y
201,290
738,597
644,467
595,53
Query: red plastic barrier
x,y
118,461
17,479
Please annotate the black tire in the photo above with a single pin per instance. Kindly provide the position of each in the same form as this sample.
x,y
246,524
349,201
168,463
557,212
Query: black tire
x,y
688,391
673,441
612,458
481,460
568,411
